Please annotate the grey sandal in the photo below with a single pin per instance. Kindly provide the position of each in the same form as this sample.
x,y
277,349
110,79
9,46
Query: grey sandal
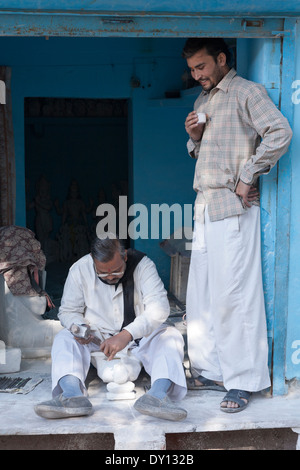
x,y
207,384
236,396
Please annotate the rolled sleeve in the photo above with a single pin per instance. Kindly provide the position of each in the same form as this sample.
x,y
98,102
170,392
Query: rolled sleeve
x,y
193,148
274,130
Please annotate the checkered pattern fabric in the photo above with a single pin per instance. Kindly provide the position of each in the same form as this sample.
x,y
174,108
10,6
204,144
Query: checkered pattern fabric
x,y
244,137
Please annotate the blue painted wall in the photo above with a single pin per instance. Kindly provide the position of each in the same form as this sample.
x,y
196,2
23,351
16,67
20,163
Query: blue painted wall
x,y
253,54
103,68
293,324
216,7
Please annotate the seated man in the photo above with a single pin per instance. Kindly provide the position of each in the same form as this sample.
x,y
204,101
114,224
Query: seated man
x,y
119,294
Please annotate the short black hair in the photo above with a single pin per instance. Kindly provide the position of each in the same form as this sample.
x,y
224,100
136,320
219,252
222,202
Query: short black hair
x,y
213,46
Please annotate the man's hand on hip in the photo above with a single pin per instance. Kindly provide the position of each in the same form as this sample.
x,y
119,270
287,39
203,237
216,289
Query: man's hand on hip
x,y
247,193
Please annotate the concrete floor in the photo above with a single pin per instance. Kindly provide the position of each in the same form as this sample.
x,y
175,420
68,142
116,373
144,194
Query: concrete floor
x,y
266,424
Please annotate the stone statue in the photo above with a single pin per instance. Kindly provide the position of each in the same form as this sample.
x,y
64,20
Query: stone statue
x,y
43,206
74,234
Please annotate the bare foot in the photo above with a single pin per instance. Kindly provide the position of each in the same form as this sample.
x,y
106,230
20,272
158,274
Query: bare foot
x,y
232,404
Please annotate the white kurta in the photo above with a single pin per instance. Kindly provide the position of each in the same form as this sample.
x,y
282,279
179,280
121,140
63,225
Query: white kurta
x,y
226,323
88,300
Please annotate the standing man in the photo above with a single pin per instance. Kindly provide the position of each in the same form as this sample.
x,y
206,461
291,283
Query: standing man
x,y
243,137
120,296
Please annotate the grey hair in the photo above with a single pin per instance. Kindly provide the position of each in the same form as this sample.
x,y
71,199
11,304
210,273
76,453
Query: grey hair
x,y
104,247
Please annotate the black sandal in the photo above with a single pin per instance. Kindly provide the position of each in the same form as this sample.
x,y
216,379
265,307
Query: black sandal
x,y
236,396
207,384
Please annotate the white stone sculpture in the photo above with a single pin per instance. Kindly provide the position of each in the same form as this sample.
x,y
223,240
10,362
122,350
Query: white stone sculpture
x,y
119,374
22,325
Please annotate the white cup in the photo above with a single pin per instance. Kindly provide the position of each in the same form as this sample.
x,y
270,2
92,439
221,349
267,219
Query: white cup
x,y
201,118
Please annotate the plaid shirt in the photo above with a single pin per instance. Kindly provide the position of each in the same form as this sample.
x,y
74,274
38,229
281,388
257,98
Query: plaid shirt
x,y
244,136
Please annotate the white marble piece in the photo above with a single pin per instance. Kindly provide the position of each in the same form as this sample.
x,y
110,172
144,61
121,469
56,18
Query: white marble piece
x,y
11,360
120,396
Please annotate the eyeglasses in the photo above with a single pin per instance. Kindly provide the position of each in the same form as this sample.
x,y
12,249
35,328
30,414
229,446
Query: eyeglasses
x,y
105,275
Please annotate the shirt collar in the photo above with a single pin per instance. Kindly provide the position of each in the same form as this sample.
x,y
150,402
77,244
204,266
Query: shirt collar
x,y
225,82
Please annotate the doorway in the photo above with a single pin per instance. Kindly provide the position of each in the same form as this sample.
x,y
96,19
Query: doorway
x,y
76,158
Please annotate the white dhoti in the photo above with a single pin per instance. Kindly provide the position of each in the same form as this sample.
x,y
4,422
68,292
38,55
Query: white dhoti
x,y
226,322
161,354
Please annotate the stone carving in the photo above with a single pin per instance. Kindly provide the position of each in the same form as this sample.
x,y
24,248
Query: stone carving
x,y
73,236
119,374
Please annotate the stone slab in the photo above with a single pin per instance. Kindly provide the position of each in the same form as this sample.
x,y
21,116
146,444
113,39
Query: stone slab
x,y
18,416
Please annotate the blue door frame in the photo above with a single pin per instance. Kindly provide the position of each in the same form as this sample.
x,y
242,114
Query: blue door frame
x,y
283,218
118,24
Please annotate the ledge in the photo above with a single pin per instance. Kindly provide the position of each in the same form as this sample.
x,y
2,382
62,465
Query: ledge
x,y
18,416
